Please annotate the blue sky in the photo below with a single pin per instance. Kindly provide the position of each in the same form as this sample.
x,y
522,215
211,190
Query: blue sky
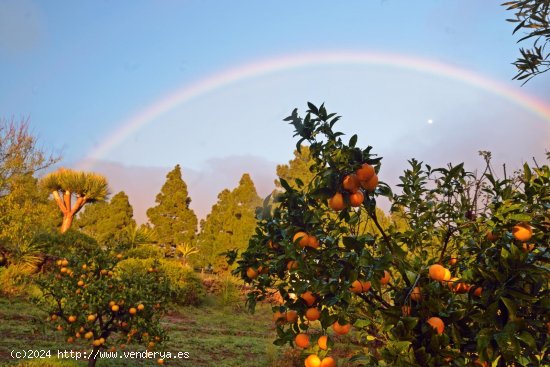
x,y
79,69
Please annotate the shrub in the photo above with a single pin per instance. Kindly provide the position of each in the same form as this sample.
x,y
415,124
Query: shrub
x,y
185,287
145,252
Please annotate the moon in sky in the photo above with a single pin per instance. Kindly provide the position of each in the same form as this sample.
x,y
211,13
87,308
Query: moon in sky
x,y
430,121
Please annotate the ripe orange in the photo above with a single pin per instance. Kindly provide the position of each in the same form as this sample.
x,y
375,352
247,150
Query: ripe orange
x,y
386,278
291,316
277,316
406,310
308,297
140,307
302,239
263,269
84,266
160,361
313,314
71,318
91,318
453,261
96,343
151,344
356,199
328,362
251,273
88,335
312,360
365,173
63,270
132,311
416,294
302,340
292,265
64,262
70,339
447,275
491,236
115,308
457,286
337,202
477,292
436,323
272,245
528,247
360,287
437,272
53,317
323,342
80,283
341,329
522,232
371,184
351,183
312,242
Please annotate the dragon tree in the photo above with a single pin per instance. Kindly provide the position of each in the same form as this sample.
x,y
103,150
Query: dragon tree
x,y
66,184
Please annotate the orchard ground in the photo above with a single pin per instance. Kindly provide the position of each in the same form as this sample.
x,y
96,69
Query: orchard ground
x,y
213,334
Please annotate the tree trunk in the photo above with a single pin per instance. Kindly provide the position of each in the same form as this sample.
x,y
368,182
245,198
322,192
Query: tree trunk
x,y
92,359
67,221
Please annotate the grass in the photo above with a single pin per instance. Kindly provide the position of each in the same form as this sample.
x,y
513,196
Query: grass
x,y
213,335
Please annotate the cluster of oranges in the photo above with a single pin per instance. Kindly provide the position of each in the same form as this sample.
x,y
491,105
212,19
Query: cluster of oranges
x,y
364,178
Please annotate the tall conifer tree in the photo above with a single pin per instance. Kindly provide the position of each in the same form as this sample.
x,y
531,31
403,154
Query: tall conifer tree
x,y
173,221
230,224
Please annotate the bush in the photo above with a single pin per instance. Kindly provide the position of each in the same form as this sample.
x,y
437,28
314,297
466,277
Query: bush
x,y
185,287
88,297
146,252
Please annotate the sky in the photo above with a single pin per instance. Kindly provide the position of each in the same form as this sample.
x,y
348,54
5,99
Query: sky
x,y
131,88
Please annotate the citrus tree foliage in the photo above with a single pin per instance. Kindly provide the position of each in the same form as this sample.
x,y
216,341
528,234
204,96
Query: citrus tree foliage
x,y
66,185
461,281
172,219
533,18
97,304
230,223
108,222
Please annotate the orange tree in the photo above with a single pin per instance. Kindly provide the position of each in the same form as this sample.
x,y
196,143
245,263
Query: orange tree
x,y
463,283
95,303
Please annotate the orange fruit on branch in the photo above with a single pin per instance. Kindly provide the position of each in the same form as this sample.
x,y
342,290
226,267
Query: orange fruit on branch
x,y
351,183
365,172
386,278
291,316
312,360
313,314
308,297
522,232
437,272
328,362
337,202
341,329
323,342
437,324
302,340
356,199
371,184
302,238
251,273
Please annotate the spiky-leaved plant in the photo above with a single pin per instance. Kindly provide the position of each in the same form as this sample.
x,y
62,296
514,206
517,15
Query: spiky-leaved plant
x,y
85,186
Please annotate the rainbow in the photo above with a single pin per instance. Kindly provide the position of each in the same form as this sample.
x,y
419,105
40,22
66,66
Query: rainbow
x,y
253,70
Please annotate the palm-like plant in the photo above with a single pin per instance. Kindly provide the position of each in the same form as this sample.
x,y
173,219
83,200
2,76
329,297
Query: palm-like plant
x,y
85,186
185,250
140,235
